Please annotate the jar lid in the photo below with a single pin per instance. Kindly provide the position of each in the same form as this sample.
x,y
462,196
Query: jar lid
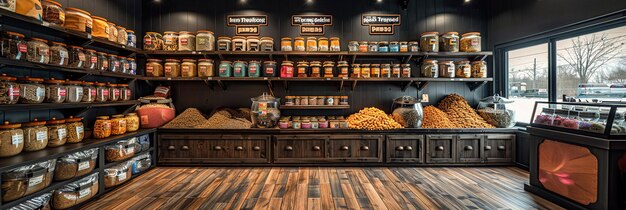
x,y
112,85
205,31
122,85
130,59
117,116
39,39
130,31
170,32
343,96
59,43
186,32
430,33
356,65
99,18
375,64
430,61
15,34
90,50
363,42
403,42
413,42
54,81
121,28
224,37
4,77
384,42
286,39
299,38
77,10
72,119
238,61
69,82
101,84
239,37
446,61
321,38
463,61
102,117
131,114
53,2
451,33
152,32
393,42
154,60
269,62
311,37
35,122
102,53
172,60
54,121
87,83
253,37
205,60
334,38
8,125
366,65
225,62
30,79
478,62
189,60
471,33
265,38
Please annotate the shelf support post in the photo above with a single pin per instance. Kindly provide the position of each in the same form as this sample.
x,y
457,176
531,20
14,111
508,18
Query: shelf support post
x,y
221,84
354,84
421,85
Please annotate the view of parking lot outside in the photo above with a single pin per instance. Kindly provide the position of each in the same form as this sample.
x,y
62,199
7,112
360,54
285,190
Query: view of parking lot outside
x,y
528,79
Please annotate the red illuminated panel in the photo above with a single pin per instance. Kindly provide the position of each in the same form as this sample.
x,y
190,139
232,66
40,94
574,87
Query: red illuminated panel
x,y
569,170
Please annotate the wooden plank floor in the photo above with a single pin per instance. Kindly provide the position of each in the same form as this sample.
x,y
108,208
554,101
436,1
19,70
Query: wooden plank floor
x,y
325,188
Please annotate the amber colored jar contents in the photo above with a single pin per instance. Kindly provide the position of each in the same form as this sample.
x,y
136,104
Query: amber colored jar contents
x,y
172,68
102,127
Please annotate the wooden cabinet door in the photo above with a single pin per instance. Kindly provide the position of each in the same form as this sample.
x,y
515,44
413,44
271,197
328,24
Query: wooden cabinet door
x,y
355,148
469,148
499,148
299,149
440,148
404,148
194,149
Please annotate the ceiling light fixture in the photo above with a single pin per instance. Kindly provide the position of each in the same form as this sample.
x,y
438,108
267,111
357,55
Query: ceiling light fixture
x,y
309,1
379,1
242,1
467,1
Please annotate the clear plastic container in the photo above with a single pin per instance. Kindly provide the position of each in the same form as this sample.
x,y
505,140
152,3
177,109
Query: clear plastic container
x,y
154,68
170,41
449,42
205,41
11,139
189,68
343,69
35,135
375,71
396,71
446,69
186,41
119,151
78,20
385,70
285,44
153,41
122,35
114,63
239,43
329,69
100,27
254,69
299,44
9,90
77,57
75,91
363,46
323,44
103,62
56,91
118,124
383,46
311,44
39,202
356,70
406,70
302,69
316,69
133,66
58,54
102,127
414,46
132,38
57,132
26,180
394,46
267,44
132,122
404,46
253,43
124,65
471,42
75,193
125,92
373,47
335,44
117,174
89,92
366,70
141,163
479,69
112,32
224,43
240,69
32,91
14,46
429,42
206,68
102,92
353,46
463,69
38,51
76,164
75,129
114,92
429,69
53,12
91,61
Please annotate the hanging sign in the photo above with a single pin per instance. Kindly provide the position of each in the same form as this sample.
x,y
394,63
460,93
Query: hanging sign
x,y
381,24
312,24
246,25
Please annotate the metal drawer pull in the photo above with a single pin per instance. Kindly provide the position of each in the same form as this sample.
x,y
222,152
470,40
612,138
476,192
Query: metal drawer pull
x,y
171,148
501,148
487,147
399,148
185,148
239,148
409,148
256,148
316,148
469,148
365,148
439,148
288,148
345,148
217,148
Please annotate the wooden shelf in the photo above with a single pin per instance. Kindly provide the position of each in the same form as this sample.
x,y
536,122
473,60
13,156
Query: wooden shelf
x,y
309,107
5,62
44,106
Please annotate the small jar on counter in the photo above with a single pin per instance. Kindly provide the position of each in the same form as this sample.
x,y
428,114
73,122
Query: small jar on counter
x,y
343,69
363,46
353,46
53,12
373,47
57,132
463,69
35,135
396,70
286,69
31,90
239,44
253,43
102,127
429,42
205,41
449,42
132,38
356,70
404,46
11,140
186,41
206,68
406,70
394,47
329,69
38,51
322,44
125,92
91,61
14,47
226,69
385,70
114,63
112,32
122,35
316,69
152,41
303,69
170,41
223,43
58,54
479,69
103,62
269,69
11,89
414,46
375,71
366,70
254,69
89,92
383,46
102,92
267,44
285,44
471,42
75,129
132,122
335,44
118,124
77,57
154,68
189,68
429,69
56,91
114,92
446,69
75,91
240,69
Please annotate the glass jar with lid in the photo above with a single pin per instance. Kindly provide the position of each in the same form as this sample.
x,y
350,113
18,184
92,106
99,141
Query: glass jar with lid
x,y
266,114
172,68
289,100
118,124
240,69
35,135
394,46
302,69
299,44
125,93
102,92
414,46
132,38
396,70
353,46
91,59
38,51
89,92
429,69
112,32
186,41
239,43
154,68
152,41
53,12
114,92
188,68
373,47
170,41
103,62
114,63
343,100
58,54
226,69
75,129
343,69
205,41
471,42
223,43
335,44
75,91
375,71
253,43
57,132
366,70
429,42
404,46
285,44
254,69
463,69
479,69
383,46
498,112
206,68
269,69
446,69
363,46
9,90
56,91
133,66
356,70
102,127
329,69
100,27
14,47
406,70
11,139
316,69
385,70
449,42
407,111
286,69
32,91
132,122
267,44
78,20
77,57
322,44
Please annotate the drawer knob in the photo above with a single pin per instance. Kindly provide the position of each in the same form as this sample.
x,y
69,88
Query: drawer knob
x,y
487,147
288,148
185,148
217,148
469,148
439,148
365,148
399,148
409,148
171,148
344,148
239,148
317,148
501,148
256,148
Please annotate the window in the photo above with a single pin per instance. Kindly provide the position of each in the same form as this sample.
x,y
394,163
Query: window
x,y
528,79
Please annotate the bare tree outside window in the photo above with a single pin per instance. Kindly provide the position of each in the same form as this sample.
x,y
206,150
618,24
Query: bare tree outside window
x,y
589,54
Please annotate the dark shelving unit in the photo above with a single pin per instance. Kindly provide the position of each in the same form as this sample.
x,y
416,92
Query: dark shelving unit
x,y
44,106
5,62
313,107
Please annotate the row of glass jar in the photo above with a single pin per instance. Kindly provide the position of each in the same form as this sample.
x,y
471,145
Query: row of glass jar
x,y
176,68
311,44
306,122
203,40
81,20
451,69
316,100
30,90
242,44
383,46
429,42
106,126
37,50
37,135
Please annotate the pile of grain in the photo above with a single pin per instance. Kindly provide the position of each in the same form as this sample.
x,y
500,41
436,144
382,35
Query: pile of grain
x,y
190,118
461,113
225,120
435,118
372,119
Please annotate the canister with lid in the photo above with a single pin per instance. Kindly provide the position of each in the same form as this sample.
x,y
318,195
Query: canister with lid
x,y
267,44
56,91
406,70
189,68
285,44
449,42
112,32
335,44
353,46
38,51
316,69
186,41
114,92
363,46
253,43
78,20
52,12
118,124
373,47
75,129
152,41
132,122
89,92
254,69
375,70
57,132
343,69
479,69
125,92
471,42
132,38
91,60
366,70
11,139
133,66
77,57
329,69
206,68
269,69
429,42
414,46
102,127
75,91
154,68
122,35
356,70
239,43
223,43
404,46
14,46
396,70
205,41
240,69
114,63
394,46
35,135
385,70
303,69
58,54
31,90
446,69
322,44
299,44
226,69
10,90
383,46
286,69
102,92
463,69
429,69
103,62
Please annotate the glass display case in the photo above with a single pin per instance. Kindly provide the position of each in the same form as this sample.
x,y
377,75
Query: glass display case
x,y
605,120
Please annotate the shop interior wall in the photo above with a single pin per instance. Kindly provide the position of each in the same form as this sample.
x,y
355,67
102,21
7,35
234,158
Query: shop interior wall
x,y
418,17
123,12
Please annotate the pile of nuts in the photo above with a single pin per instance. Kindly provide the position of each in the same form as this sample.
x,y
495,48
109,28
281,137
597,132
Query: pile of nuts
x,y
190,118
435,118
224,120
461,113
372,118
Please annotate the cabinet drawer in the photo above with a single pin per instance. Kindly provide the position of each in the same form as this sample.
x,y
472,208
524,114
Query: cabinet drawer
x,y
440,148
176,150
292,149
499,148
354,149
469,148
404,148
194,149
